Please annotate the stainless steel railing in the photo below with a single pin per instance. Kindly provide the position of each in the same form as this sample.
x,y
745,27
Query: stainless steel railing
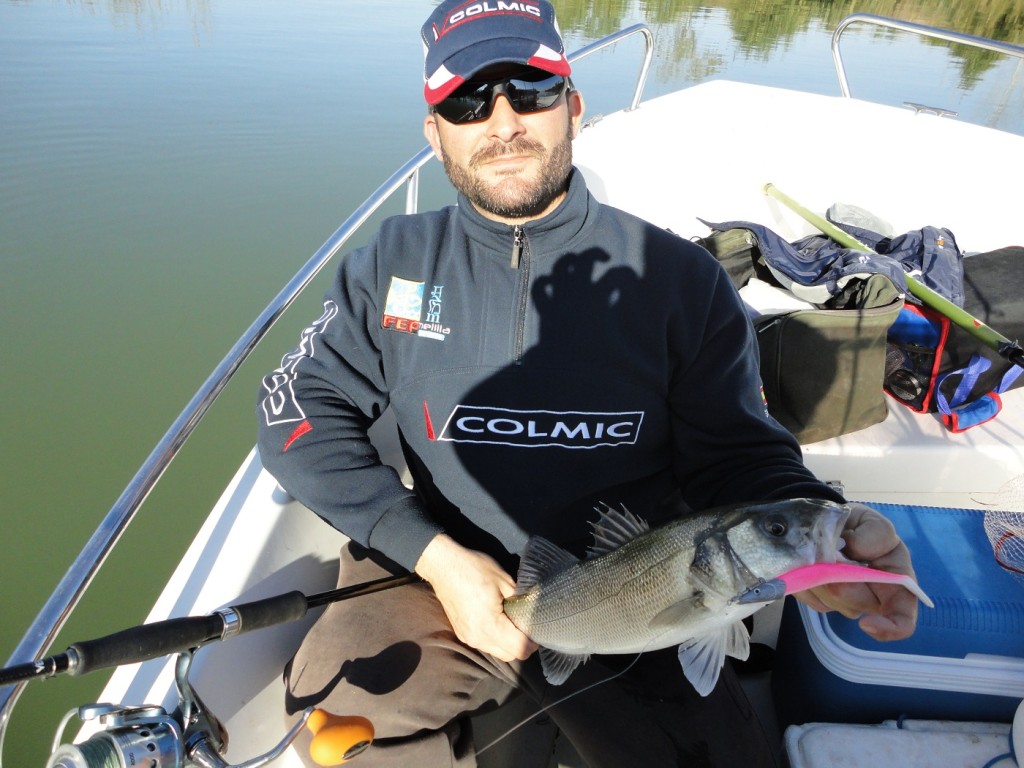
x,y
54,614
919,29
636,29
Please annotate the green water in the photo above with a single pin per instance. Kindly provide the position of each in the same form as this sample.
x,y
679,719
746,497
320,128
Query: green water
x,y
166,165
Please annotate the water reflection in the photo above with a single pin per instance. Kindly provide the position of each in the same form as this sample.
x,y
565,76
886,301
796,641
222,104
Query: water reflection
x,y
759,28
147,15
761,25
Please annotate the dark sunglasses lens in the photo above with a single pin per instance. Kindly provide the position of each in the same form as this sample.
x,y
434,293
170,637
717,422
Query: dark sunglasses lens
x,y
531,96
474,101
471,102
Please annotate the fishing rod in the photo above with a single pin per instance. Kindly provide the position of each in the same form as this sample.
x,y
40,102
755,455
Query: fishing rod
x,y
162,638
1010,350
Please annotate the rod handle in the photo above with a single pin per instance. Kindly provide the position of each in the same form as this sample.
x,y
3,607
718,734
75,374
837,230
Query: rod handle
x,y
150,641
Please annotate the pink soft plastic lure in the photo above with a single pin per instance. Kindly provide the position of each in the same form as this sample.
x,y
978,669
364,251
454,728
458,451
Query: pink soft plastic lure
x,y
809,576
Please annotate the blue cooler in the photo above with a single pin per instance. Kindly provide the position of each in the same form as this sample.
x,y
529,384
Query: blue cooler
x,y
964,662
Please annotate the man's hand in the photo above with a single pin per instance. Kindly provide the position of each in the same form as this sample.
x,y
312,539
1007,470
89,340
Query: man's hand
x,y
471,587
886,611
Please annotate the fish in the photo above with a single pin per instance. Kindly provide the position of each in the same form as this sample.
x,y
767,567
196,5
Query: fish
x,y
641,589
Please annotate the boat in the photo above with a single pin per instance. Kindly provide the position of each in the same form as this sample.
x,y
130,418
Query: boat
x,y
702,153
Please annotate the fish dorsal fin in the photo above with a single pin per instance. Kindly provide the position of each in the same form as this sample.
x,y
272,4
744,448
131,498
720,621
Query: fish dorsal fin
x,y
614,528
541,559
702,657
558,666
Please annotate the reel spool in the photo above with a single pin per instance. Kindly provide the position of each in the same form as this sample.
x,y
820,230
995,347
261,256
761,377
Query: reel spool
x,y
146,737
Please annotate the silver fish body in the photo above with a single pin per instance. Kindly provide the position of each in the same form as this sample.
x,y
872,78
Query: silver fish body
x,y
679,584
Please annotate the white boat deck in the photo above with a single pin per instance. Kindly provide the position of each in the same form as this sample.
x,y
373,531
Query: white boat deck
x,y
728,139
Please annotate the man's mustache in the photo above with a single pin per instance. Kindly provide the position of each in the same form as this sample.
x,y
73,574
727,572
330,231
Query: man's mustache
x,y
519,146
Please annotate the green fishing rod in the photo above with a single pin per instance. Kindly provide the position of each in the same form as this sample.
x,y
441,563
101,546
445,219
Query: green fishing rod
x,y
990,337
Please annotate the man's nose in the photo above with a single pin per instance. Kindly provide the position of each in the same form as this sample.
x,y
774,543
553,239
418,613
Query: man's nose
x,y
504,123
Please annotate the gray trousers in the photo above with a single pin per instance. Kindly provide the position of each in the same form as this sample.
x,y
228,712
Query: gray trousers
x,y
392,657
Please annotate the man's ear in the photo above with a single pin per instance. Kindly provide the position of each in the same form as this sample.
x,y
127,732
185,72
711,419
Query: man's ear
x,y
576,108
430,131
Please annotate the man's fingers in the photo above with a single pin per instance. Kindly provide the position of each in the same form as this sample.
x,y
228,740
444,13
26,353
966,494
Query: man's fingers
x,y
885,611
894,624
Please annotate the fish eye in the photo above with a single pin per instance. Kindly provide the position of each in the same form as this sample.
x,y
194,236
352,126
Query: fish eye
x,y
776,527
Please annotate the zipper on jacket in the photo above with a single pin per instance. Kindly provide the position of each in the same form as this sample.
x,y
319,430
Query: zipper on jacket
x,y
521,262
518,238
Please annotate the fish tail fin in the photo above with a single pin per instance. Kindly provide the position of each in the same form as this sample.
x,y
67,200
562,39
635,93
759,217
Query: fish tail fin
x,y
558,666
702,657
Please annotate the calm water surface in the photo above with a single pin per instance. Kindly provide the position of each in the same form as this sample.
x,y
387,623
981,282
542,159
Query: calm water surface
x,y
166,165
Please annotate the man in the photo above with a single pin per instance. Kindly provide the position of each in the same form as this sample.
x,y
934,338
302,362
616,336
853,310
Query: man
x,y
542,353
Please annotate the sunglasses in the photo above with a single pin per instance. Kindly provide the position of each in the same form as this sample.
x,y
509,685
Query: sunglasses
x,y
472,102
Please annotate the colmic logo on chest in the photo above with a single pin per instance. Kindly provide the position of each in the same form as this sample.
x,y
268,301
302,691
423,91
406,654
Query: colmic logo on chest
x,y
404,309
535,429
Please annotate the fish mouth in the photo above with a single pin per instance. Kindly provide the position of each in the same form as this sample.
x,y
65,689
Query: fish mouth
x,y
827,534
823,547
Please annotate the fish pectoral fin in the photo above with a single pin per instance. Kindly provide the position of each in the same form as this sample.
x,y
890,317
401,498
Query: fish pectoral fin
x,y
558,666
702,657
677,613
737,642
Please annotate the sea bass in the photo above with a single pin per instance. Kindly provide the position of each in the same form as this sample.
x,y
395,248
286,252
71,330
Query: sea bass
x,y
641,589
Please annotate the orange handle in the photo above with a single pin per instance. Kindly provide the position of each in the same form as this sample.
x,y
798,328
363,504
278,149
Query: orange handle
x,y
337,738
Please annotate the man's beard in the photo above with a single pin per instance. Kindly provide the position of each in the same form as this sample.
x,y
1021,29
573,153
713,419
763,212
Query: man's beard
x,y
514,198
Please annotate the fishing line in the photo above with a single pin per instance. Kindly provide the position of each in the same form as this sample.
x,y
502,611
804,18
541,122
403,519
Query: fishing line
x,y
562,700
568,696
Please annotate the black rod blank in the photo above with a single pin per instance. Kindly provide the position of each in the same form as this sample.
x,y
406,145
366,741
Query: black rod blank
x,y
161,638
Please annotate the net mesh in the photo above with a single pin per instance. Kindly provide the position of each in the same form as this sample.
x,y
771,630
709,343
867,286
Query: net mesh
x,y
1006,533
1005,526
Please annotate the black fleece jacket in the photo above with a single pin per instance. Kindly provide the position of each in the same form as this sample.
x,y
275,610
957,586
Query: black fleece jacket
x,y
535,372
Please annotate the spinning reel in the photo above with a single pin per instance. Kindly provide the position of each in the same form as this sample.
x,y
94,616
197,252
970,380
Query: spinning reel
x,y
191,736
